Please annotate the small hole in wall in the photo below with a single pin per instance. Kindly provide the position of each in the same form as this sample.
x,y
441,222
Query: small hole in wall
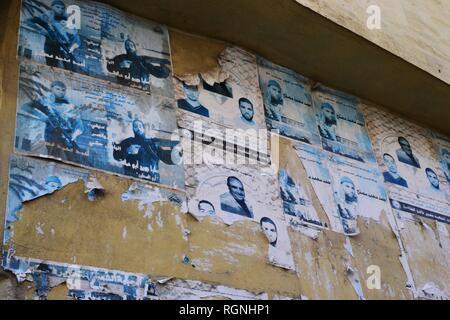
x,y
193,266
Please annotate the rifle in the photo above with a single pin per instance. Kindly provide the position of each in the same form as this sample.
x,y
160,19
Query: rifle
x,y
63,127
62,42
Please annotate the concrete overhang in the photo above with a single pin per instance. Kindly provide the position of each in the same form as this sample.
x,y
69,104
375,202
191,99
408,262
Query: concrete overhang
x,y
303,40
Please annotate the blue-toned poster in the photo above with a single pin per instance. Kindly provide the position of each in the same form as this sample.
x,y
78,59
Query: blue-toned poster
x,y
83,282
346,189
97,40
341,125
287,102
80,120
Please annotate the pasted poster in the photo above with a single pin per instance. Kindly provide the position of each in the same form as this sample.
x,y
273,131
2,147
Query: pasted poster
x,y
83,282
358,192
31,178
232,191
442,150
341,124
234,103
288,104
410,165
296,190
80,120
346,189
97,40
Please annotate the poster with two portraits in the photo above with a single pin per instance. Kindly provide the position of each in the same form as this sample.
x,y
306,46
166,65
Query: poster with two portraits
x,y
95,90
415,165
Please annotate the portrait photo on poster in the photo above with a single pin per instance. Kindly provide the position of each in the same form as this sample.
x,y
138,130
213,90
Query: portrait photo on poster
x,y
410,159
81,120
97,40
226,104
341,125
407,169
279,252
287,102
442,152
230,191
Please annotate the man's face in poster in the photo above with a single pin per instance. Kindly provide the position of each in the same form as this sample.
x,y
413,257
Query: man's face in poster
x,y
446,157
59,91
390,163
52,184
236,189
191,92
270,230
405,146
59,9
130,47
138,128
275,93
433,179
207,208
329,114
246,109
349,191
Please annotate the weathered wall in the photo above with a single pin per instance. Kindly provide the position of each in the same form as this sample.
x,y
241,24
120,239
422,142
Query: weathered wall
x,y
92,233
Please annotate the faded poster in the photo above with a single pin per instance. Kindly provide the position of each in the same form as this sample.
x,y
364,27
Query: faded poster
x,y
31,178
341,125
235,103
358,192
235,191
344,189
412,167
83,282
80,120
287,102
442,148
296,189
97,40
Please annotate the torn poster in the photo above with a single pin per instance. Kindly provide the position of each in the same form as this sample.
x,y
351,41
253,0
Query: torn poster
x,y
97,40
235,191
337,193
130,215
31,178
80,120
296,190
354,279
358,189
147,195
235,103
287,102
83,282
341,124
178,289
227,186
280,250
410,168
442,149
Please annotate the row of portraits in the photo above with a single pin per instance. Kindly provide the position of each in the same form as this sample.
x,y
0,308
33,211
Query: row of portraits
x,y
73,118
